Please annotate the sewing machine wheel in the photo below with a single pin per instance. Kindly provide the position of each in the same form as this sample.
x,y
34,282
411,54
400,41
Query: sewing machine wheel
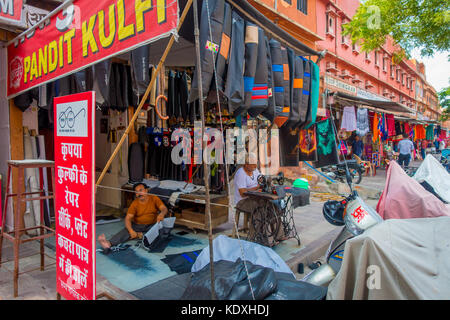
x,y
265,225
262,180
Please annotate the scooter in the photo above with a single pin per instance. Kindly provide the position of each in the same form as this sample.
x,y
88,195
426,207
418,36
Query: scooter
x,y
339,171
357,217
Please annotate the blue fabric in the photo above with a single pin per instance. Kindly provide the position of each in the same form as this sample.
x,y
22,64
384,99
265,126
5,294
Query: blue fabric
x,y
277,68
248,84
279,89
358,147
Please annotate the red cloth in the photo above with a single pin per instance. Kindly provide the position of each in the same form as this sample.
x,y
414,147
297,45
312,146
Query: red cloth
x,y
390,125
404,198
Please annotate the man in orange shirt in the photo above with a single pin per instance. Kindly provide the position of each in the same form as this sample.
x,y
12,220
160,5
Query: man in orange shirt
x,y
144,211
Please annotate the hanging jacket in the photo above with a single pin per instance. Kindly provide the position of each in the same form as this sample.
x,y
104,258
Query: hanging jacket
x,y
296,85
251,54
315,92
140,72
234,88
171,94
260,94
269,112
209,48
222,59
280,115
305,104
286,79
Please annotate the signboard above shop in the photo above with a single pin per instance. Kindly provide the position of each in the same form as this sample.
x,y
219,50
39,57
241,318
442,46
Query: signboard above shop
x,y
332,82
83,33
11,13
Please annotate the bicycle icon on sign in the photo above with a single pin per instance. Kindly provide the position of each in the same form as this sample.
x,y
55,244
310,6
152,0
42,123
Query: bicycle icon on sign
x,y
68,117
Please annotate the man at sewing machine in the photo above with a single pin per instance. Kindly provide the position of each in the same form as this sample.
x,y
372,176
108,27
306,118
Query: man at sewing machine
x,y
143,213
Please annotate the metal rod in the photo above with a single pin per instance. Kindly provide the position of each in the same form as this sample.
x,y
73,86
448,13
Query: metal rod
x,y
204,146
147,92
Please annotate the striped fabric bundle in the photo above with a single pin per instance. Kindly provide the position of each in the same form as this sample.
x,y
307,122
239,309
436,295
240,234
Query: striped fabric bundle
x,y
278,82
260,92
251,52
305,104
269,113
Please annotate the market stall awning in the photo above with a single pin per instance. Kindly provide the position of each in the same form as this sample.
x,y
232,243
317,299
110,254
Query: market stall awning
x,y
387,106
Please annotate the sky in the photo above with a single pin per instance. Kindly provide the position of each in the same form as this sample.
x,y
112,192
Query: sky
x,y
437,69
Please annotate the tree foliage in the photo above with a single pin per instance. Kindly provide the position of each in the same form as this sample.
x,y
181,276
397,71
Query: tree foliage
x,y
444,101
422,24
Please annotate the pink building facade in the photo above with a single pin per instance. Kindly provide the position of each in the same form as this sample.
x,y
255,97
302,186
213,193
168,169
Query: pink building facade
x,y
370,75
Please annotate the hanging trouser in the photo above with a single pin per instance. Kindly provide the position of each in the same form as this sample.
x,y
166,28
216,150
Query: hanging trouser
x,y
79,81
102,73
124,88
315,92
281,114
269,113
251,53
306,104
140,71
294,116
136,162
260,96
171,94
297,88
222,59
214,9
234,88
286,78
183,96
176,95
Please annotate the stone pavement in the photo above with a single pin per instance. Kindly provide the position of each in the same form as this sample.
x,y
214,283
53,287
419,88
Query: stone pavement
x,y
315,234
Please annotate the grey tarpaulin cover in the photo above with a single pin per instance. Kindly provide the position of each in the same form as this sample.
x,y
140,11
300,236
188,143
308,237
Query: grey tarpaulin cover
x,y
229,249
396,259
432,172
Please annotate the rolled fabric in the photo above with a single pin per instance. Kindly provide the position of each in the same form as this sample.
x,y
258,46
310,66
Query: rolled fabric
x,y
251,53
207,59
260,90
222,59
234,88
269,112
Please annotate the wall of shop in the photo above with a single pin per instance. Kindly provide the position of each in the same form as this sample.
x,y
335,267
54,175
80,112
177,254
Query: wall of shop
x,y
4,121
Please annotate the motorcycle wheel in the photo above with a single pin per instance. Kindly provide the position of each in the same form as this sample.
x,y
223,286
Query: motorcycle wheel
x,y
356,175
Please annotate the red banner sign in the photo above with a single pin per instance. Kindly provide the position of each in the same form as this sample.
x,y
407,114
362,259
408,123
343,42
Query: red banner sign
x,y
83,34
75,195
11,10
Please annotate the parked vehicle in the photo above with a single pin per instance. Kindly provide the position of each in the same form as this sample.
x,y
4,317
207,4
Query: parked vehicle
x,y
339,171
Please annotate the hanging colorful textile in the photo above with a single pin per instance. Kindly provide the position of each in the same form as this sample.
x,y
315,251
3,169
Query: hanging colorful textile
x,y
376,130
430,132
326,144
349,119
308,144
362,122
390,122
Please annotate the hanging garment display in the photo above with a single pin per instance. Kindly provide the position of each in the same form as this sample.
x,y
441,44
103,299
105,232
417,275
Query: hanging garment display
x,y
251,52
295,88
170,109
286,85
260,93
222,58
289,145
362,122
348,119
269,113
343,149
375,128
399,128
211,25
234,88
326,144
136,162
308,144
140,58
429,132
102,75
390,123
306,93
183,95
281,113
315,92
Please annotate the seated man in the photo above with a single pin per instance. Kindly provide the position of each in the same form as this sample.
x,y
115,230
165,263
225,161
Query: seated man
x,y
141,215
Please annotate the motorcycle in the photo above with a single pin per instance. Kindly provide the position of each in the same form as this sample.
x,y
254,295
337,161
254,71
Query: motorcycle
x,y
356,217
339,171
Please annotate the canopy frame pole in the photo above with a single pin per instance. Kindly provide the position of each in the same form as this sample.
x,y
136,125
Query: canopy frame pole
x,y
146,94
206,174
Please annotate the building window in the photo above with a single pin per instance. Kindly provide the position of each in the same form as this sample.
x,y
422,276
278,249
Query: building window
x,y
398,75
302,6
288,1
376,57
384,64
368,56
329,26
392,71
